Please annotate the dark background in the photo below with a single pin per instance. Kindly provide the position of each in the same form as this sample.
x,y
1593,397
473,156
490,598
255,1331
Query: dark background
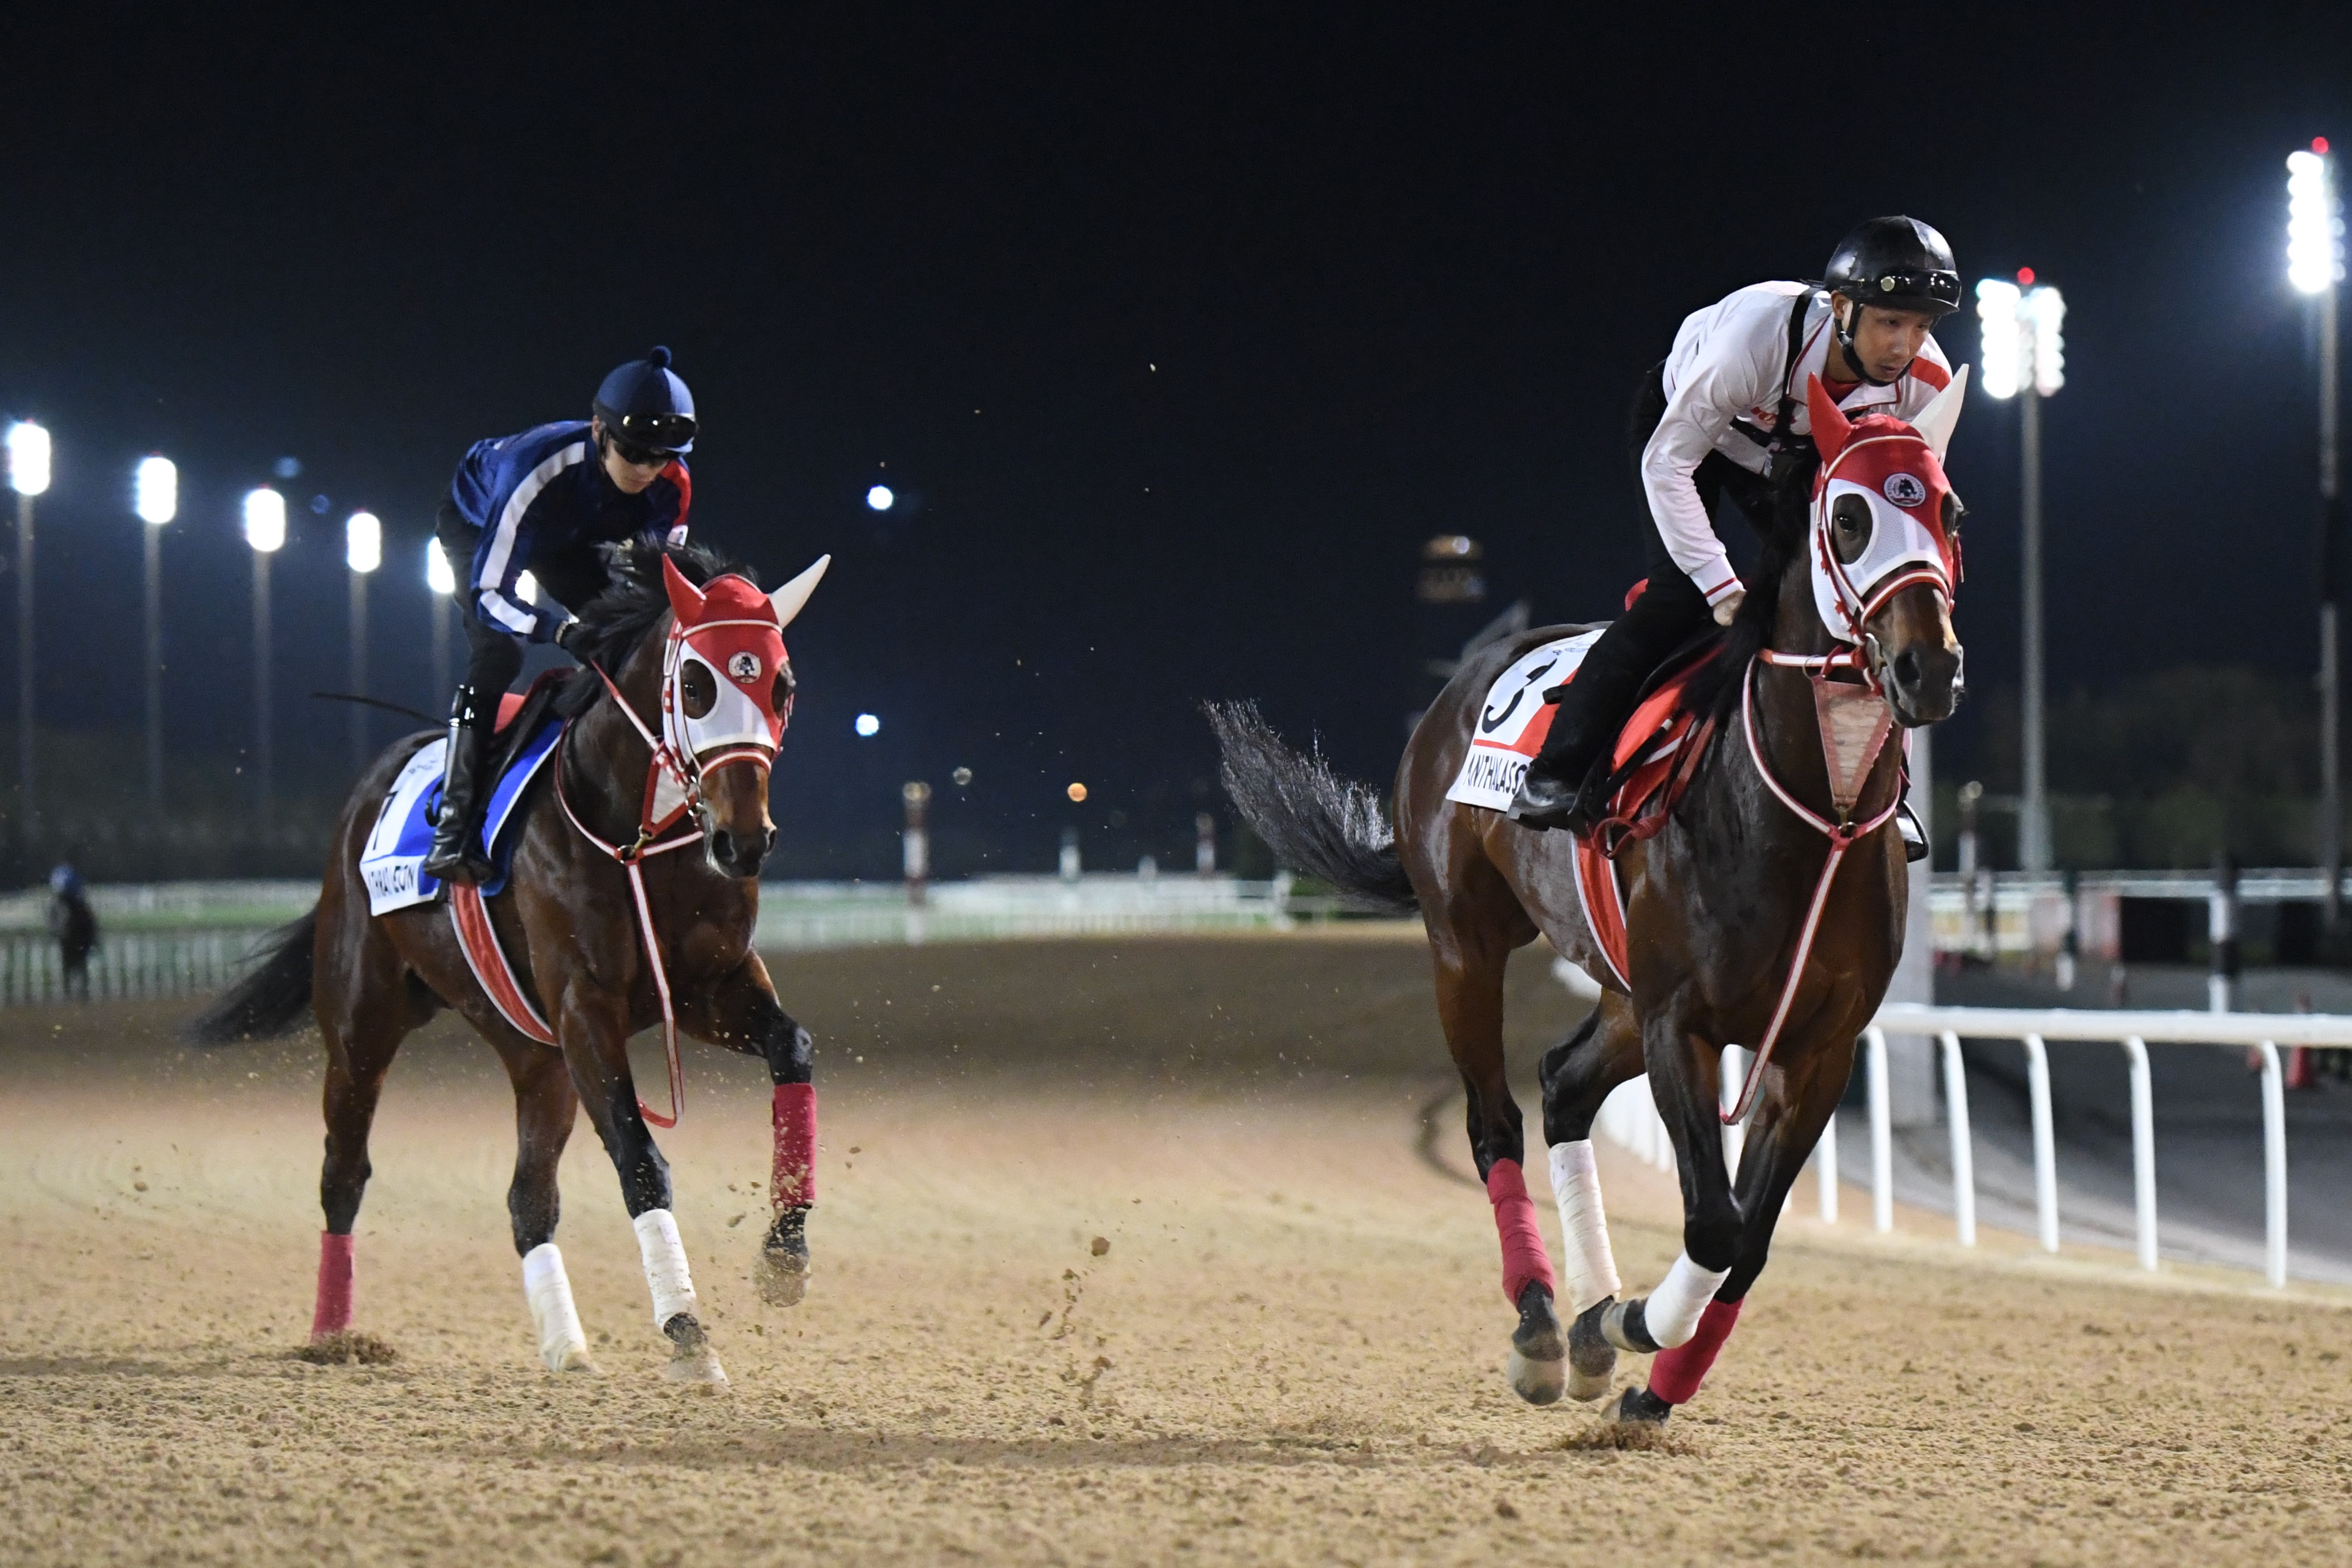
x,y
1178,330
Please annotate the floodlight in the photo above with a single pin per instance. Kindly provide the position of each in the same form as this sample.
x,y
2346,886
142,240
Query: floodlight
x,y
867,725
437,575
28,458
264,519
880,498
362,542
2044,310
2314,222
155,490
2001,360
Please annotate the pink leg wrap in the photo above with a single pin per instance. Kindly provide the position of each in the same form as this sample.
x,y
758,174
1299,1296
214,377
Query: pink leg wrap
x,y
334,1313
793,1182
1676,1374
1515,1221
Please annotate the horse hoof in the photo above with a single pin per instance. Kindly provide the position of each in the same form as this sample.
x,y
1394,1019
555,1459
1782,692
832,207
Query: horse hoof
x,y
1591,1359
781,1278
1637,1407
568,1358
696,1366
1536,1382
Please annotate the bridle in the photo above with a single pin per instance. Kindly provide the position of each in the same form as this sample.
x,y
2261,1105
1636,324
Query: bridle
x,y
675,773
1853,717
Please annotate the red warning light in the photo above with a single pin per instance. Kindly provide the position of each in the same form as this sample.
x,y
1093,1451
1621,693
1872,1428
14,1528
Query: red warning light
x,y
2319,145
2026,278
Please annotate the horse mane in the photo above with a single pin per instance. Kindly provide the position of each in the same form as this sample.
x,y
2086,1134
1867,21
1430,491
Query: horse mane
x,y
632,603
1715,690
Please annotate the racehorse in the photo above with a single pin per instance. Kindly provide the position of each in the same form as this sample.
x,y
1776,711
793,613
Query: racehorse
x,y
1766,908
669,732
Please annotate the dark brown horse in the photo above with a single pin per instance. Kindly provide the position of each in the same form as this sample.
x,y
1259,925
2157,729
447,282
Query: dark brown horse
x,y
1768,910
604,928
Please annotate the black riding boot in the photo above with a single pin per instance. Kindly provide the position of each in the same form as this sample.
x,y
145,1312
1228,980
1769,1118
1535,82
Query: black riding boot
x,y
1563,784
456,854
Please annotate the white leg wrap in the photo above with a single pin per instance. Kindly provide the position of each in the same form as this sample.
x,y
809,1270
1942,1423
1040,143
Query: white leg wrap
x,y
545,1285
1674,1308
665,1257
1584,1229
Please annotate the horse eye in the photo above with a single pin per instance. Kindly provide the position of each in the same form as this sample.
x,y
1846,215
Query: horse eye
x,y
698,687
1954,514
785,687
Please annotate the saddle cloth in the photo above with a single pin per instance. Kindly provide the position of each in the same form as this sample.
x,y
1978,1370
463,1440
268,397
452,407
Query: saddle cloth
x,y
1510,730
393,860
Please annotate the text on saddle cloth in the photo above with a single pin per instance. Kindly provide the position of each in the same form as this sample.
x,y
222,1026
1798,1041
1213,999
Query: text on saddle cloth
x,y
1514,720
391,861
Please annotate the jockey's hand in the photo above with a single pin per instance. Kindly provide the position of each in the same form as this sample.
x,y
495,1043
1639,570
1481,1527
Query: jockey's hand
x,y
565,633
1729,606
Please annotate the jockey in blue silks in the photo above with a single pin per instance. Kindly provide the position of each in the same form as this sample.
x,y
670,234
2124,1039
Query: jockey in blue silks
x,y
542,502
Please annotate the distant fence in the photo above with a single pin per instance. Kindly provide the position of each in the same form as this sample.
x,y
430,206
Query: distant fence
x,y
1630,1118
177,939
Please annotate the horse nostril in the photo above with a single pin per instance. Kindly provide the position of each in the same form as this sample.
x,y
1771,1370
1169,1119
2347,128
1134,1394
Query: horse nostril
x,y
1906,669
722,846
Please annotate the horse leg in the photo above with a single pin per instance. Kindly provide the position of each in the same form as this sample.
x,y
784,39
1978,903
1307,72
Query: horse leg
x,y
1684,1069
1469,968
360,1001
743,1014
1788,1124
595,1029
546,1105
1577,1075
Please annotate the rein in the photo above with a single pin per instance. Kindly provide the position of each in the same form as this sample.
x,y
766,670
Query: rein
x,y
684,772
1847,774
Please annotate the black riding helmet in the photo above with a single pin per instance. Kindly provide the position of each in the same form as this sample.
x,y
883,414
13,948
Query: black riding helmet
x,y
644,405
1897,263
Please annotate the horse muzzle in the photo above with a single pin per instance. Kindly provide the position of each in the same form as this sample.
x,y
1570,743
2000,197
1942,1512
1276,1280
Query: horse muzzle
x,y
740,854
1924,683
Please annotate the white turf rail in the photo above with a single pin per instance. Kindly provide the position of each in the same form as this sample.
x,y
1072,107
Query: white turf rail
x,y
1630,1118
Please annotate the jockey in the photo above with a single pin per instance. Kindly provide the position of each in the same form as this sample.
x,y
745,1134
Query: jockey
x,y
1724,414
543,502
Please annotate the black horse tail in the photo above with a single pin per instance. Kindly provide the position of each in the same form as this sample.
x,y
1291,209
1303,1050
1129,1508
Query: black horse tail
x,y
273,999
1314,821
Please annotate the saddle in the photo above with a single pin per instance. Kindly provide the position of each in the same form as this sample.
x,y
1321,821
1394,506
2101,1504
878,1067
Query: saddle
x,y
1659,747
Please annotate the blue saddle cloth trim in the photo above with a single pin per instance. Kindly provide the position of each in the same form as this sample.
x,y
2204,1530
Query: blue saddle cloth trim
x,y
502,813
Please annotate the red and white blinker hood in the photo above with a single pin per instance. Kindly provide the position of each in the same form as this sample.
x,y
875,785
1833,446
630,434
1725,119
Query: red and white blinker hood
x,y
736,634
1898,470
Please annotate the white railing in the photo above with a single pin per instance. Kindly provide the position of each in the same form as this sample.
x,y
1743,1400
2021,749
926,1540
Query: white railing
x,y
1630,1118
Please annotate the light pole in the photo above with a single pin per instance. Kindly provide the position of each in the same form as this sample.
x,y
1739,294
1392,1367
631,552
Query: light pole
x,y
155,496
2024,353
443,582
265,531
362,552
28,475
2314,265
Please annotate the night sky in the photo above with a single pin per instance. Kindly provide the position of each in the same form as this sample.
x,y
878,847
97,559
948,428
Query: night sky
x,y
1176,331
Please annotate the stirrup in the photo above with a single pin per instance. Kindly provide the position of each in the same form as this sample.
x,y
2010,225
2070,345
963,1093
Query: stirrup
x,y
460,861
1915,847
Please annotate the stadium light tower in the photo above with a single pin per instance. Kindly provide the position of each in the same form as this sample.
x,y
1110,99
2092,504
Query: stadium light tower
x,y
2024,356
443,582
362,552
28,475
155,496
2315,267
265,531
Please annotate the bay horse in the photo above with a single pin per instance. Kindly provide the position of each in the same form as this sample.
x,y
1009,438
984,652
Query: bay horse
x,y
1767,909
671,728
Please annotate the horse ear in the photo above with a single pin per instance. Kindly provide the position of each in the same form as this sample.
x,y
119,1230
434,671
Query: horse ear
x,y
685,599
1831,428
1943,411
789,599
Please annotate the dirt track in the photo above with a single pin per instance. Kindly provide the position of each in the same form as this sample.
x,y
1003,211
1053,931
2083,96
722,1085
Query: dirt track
x,y
1290,1352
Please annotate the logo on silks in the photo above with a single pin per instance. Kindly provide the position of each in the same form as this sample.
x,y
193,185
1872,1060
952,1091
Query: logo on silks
x,y
728,624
